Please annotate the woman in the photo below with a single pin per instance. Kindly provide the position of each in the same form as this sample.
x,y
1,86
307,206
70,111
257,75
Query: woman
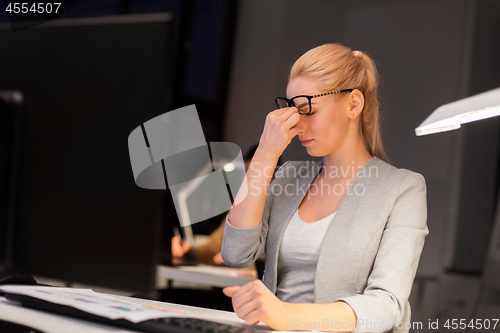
x,y
342,237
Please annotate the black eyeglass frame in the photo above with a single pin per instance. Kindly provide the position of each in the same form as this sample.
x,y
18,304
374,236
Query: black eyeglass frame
x,y
309,97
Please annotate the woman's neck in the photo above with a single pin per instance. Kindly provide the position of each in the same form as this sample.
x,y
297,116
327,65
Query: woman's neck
x,y
346,162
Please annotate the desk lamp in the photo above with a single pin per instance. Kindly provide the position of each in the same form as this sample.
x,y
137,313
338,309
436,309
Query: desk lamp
x,y
451,116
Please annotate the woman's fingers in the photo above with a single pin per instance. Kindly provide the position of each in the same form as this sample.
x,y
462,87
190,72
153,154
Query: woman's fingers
x,y
241,298
292,120
282,110
236,291
253,317
246,309
251,300
229,291
244,300
276,136
281,115
254,303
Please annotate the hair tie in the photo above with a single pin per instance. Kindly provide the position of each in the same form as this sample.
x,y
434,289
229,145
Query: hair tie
x,y
357,54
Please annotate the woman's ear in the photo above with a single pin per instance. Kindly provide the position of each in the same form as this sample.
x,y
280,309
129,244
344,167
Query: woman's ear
x,y
357,102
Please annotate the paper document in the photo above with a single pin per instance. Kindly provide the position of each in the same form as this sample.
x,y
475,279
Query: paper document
x,y
100,304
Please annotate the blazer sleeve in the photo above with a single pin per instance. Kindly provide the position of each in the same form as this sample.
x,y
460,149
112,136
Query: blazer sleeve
x,y
382,303
241,247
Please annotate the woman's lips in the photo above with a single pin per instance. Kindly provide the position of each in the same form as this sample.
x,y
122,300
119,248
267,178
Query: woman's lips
x,y
306,142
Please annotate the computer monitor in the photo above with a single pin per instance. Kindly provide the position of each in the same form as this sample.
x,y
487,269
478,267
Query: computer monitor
x,y
10,117
87,83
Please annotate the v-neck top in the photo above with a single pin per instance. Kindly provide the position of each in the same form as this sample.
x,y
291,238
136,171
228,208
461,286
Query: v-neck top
x,y
298,258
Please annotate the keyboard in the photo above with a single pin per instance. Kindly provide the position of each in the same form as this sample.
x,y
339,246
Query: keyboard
x,y
10,327
199,325
161,325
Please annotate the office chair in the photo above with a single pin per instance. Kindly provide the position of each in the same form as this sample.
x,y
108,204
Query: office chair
x,y
406,319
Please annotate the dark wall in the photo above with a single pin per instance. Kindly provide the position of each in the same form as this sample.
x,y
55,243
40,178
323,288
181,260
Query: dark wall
x,y
480,150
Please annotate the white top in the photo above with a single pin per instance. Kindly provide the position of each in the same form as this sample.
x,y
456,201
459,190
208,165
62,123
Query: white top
x,y
298,258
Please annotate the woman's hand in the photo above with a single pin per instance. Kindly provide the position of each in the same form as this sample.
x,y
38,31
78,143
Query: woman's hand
x,y
279,130
254,302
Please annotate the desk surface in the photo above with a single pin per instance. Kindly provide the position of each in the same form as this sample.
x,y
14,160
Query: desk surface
x,y
53,323
217,276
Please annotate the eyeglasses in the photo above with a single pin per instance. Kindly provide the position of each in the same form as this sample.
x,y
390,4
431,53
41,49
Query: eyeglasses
x,y
302,102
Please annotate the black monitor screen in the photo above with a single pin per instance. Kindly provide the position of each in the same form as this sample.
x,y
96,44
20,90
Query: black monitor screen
x,y
87,83
10,117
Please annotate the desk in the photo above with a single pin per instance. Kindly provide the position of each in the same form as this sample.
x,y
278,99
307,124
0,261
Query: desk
x,y
210,275
53,323
216,276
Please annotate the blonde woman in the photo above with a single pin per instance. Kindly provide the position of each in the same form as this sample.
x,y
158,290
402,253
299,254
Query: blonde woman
x,y
342,237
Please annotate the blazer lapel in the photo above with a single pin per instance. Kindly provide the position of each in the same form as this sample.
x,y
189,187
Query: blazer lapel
x,y
335,277
285,204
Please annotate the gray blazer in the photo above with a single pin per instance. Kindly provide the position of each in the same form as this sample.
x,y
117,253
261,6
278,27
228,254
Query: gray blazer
x,y
371,250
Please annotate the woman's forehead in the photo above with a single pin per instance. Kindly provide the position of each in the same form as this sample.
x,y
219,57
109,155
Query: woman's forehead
x,y
302,86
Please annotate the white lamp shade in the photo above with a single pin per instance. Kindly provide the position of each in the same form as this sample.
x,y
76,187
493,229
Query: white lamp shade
x,y
450,116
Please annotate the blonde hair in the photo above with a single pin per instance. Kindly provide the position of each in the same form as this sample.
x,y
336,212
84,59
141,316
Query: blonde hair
x,y
336,67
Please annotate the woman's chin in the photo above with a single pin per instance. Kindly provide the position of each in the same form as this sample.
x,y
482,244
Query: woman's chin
x,y
314,152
